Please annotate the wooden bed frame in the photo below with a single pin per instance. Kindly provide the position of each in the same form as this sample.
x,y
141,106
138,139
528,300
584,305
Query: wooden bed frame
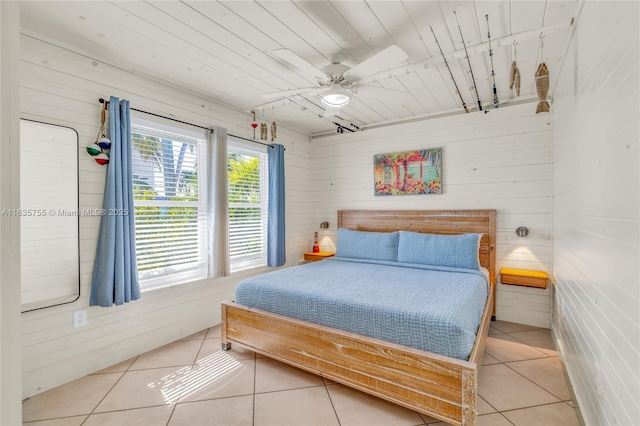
x,y
436,385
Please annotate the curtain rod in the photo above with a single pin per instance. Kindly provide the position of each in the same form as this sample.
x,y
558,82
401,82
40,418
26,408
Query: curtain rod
x,y
104,101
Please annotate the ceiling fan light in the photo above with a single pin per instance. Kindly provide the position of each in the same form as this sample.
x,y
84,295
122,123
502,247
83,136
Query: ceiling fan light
x,y
335,101
335,97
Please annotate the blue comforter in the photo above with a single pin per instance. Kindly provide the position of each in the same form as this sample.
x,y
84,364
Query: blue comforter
x,y
437,309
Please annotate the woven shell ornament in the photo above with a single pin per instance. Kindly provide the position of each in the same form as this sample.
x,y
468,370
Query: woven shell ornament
x,y
542,87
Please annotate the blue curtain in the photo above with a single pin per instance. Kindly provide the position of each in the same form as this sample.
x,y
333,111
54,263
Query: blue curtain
x,y
115,272
275,224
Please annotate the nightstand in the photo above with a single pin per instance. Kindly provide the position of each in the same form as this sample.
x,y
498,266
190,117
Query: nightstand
x,y
524,277
313,257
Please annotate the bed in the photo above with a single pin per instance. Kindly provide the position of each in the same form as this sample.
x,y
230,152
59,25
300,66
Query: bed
x,y
440,385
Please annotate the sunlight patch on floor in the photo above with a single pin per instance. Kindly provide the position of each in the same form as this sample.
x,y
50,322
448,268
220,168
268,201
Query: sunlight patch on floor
x,y
189,380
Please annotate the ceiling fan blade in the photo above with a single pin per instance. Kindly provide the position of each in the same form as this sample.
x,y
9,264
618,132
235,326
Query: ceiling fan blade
x,y
290,92
390,56
375,92
298,62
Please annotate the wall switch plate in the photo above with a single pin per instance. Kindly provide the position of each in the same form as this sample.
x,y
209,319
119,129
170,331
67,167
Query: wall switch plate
x,y
80,318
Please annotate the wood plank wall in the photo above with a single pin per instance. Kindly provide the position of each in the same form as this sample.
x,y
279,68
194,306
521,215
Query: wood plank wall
x,y
10,333
501,160
62,87
596,213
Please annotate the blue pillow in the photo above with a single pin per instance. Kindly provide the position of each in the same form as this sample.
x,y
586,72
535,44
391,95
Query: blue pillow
x,y
367,245
456,251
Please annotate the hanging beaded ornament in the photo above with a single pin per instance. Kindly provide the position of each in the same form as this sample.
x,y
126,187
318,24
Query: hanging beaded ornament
x,y
100,148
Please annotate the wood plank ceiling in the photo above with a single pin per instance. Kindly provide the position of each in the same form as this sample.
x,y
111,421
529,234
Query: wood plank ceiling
x,y
224,50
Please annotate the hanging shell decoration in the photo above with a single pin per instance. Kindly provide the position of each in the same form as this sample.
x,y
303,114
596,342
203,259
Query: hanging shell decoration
x,y
542,87
263,131
102,159
254,125
94,149
514,79
273,123
99,150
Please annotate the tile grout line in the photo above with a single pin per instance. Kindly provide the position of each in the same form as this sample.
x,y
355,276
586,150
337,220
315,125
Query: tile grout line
x,y
556,356
536,347
326,389
195,360
505,417
517,331
128,369
519,360
255,375
288,389
487,402
561,401
540,386
534,406
326,386
530,406
109,391
533,359
56,418
524,359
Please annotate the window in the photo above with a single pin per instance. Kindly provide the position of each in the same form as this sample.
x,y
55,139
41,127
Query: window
x,y
248,202
170,205
169,192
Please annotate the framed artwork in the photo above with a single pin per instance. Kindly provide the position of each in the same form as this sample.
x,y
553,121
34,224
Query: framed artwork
x,y
409,172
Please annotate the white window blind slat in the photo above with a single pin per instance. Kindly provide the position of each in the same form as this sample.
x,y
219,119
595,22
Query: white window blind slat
x,y
247,177
170,209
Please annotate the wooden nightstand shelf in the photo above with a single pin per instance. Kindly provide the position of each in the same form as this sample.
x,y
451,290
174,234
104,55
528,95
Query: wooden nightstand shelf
x,y
313,257
524,277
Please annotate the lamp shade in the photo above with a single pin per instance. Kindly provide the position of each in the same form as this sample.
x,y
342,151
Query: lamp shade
x,y
335,97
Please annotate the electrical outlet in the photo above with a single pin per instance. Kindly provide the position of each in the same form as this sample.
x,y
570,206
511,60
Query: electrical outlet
x,y
80,318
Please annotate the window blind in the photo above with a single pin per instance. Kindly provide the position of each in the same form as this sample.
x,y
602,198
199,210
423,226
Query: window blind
x,y
247,177
170,209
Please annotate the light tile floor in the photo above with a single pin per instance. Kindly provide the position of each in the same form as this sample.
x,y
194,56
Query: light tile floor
x,y
192,382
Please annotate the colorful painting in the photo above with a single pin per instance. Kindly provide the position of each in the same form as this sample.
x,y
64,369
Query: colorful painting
x,y
410,172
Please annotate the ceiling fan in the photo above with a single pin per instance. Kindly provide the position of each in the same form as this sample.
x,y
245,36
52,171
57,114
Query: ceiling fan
x,y
338,83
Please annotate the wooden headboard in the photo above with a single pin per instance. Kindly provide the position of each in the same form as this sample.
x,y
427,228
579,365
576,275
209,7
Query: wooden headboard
x,y
430,221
